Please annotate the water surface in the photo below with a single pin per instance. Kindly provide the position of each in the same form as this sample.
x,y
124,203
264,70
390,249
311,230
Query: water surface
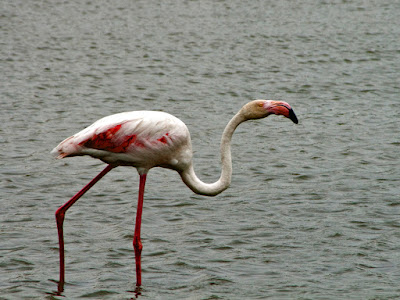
x,y
313,209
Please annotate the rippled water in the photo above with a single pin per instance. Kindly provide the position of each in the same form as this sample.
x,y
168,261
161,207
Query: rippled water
x,y
313,211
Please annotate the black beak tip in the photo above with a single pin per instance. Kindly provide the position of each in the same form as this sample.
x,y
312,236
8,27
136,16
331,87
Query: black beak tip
x,y
292,116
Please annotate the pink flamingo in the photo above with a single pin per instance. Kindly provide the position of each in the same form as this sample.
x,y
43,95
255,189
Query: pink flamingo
x,y
147,139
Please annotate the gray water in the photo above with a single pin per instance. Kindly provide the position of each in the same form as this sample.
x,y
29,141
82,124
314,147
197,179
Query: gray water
x,y
313,211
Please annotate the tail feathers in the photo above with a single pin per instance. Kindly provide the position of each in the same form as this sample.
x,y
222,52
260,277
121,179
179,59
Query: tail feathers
x,y
61,155
66,148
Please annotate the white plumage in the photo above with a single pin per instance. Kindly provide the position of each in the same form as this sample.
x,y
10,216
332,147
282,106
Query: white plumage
x,y
142,139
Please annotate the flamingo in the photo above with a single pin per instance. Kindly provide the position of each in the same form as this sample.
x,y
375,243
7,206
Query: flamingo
x,y
148,139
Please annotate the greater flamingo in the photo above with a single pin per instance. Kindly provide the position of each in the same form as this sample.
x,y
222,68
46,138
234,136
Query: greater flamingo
x,y
147,139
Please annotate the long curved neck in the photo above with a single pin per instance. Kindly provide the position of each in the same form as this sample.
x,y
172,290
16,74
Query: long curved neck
x,y
195,184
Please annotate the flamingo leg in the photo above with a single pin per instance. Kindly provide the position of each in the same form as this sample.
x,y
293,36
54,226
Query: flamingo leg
x,y
60,215
137,244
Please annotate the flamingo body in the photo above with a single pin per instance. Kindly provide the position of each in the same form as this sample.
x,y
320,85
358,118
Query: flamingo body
x,y
147,139
142,139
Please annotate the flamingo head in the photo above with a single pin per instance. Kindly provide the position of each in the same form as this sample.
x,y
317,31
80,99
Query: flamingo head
x,y
263,108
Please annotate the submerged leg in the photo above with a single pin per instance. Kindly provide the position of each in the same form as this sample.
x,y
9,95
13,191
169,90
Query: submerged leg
x,y
137,244
60,214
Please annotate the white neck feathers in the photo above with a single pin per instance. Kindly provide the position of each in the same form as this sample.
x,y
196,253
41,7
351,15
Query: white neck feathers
x,y
211,189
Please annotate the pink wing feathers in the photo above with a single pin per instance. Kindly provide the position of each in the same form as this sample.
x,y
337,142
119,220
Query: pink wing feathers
x,y
131,133
111,140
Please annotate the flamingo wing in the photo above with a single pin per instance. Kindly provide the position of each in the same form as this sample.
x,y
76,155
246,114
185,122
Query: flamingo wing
x,y
136,138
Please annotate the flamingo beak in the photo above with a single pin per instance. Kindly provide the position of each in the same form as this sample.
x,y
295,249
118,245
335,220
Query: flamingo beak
x,y
292,116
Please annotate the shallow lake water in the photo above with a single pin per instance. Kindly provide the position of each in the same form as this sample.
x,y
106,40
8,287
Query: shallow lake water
x,y
313,211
